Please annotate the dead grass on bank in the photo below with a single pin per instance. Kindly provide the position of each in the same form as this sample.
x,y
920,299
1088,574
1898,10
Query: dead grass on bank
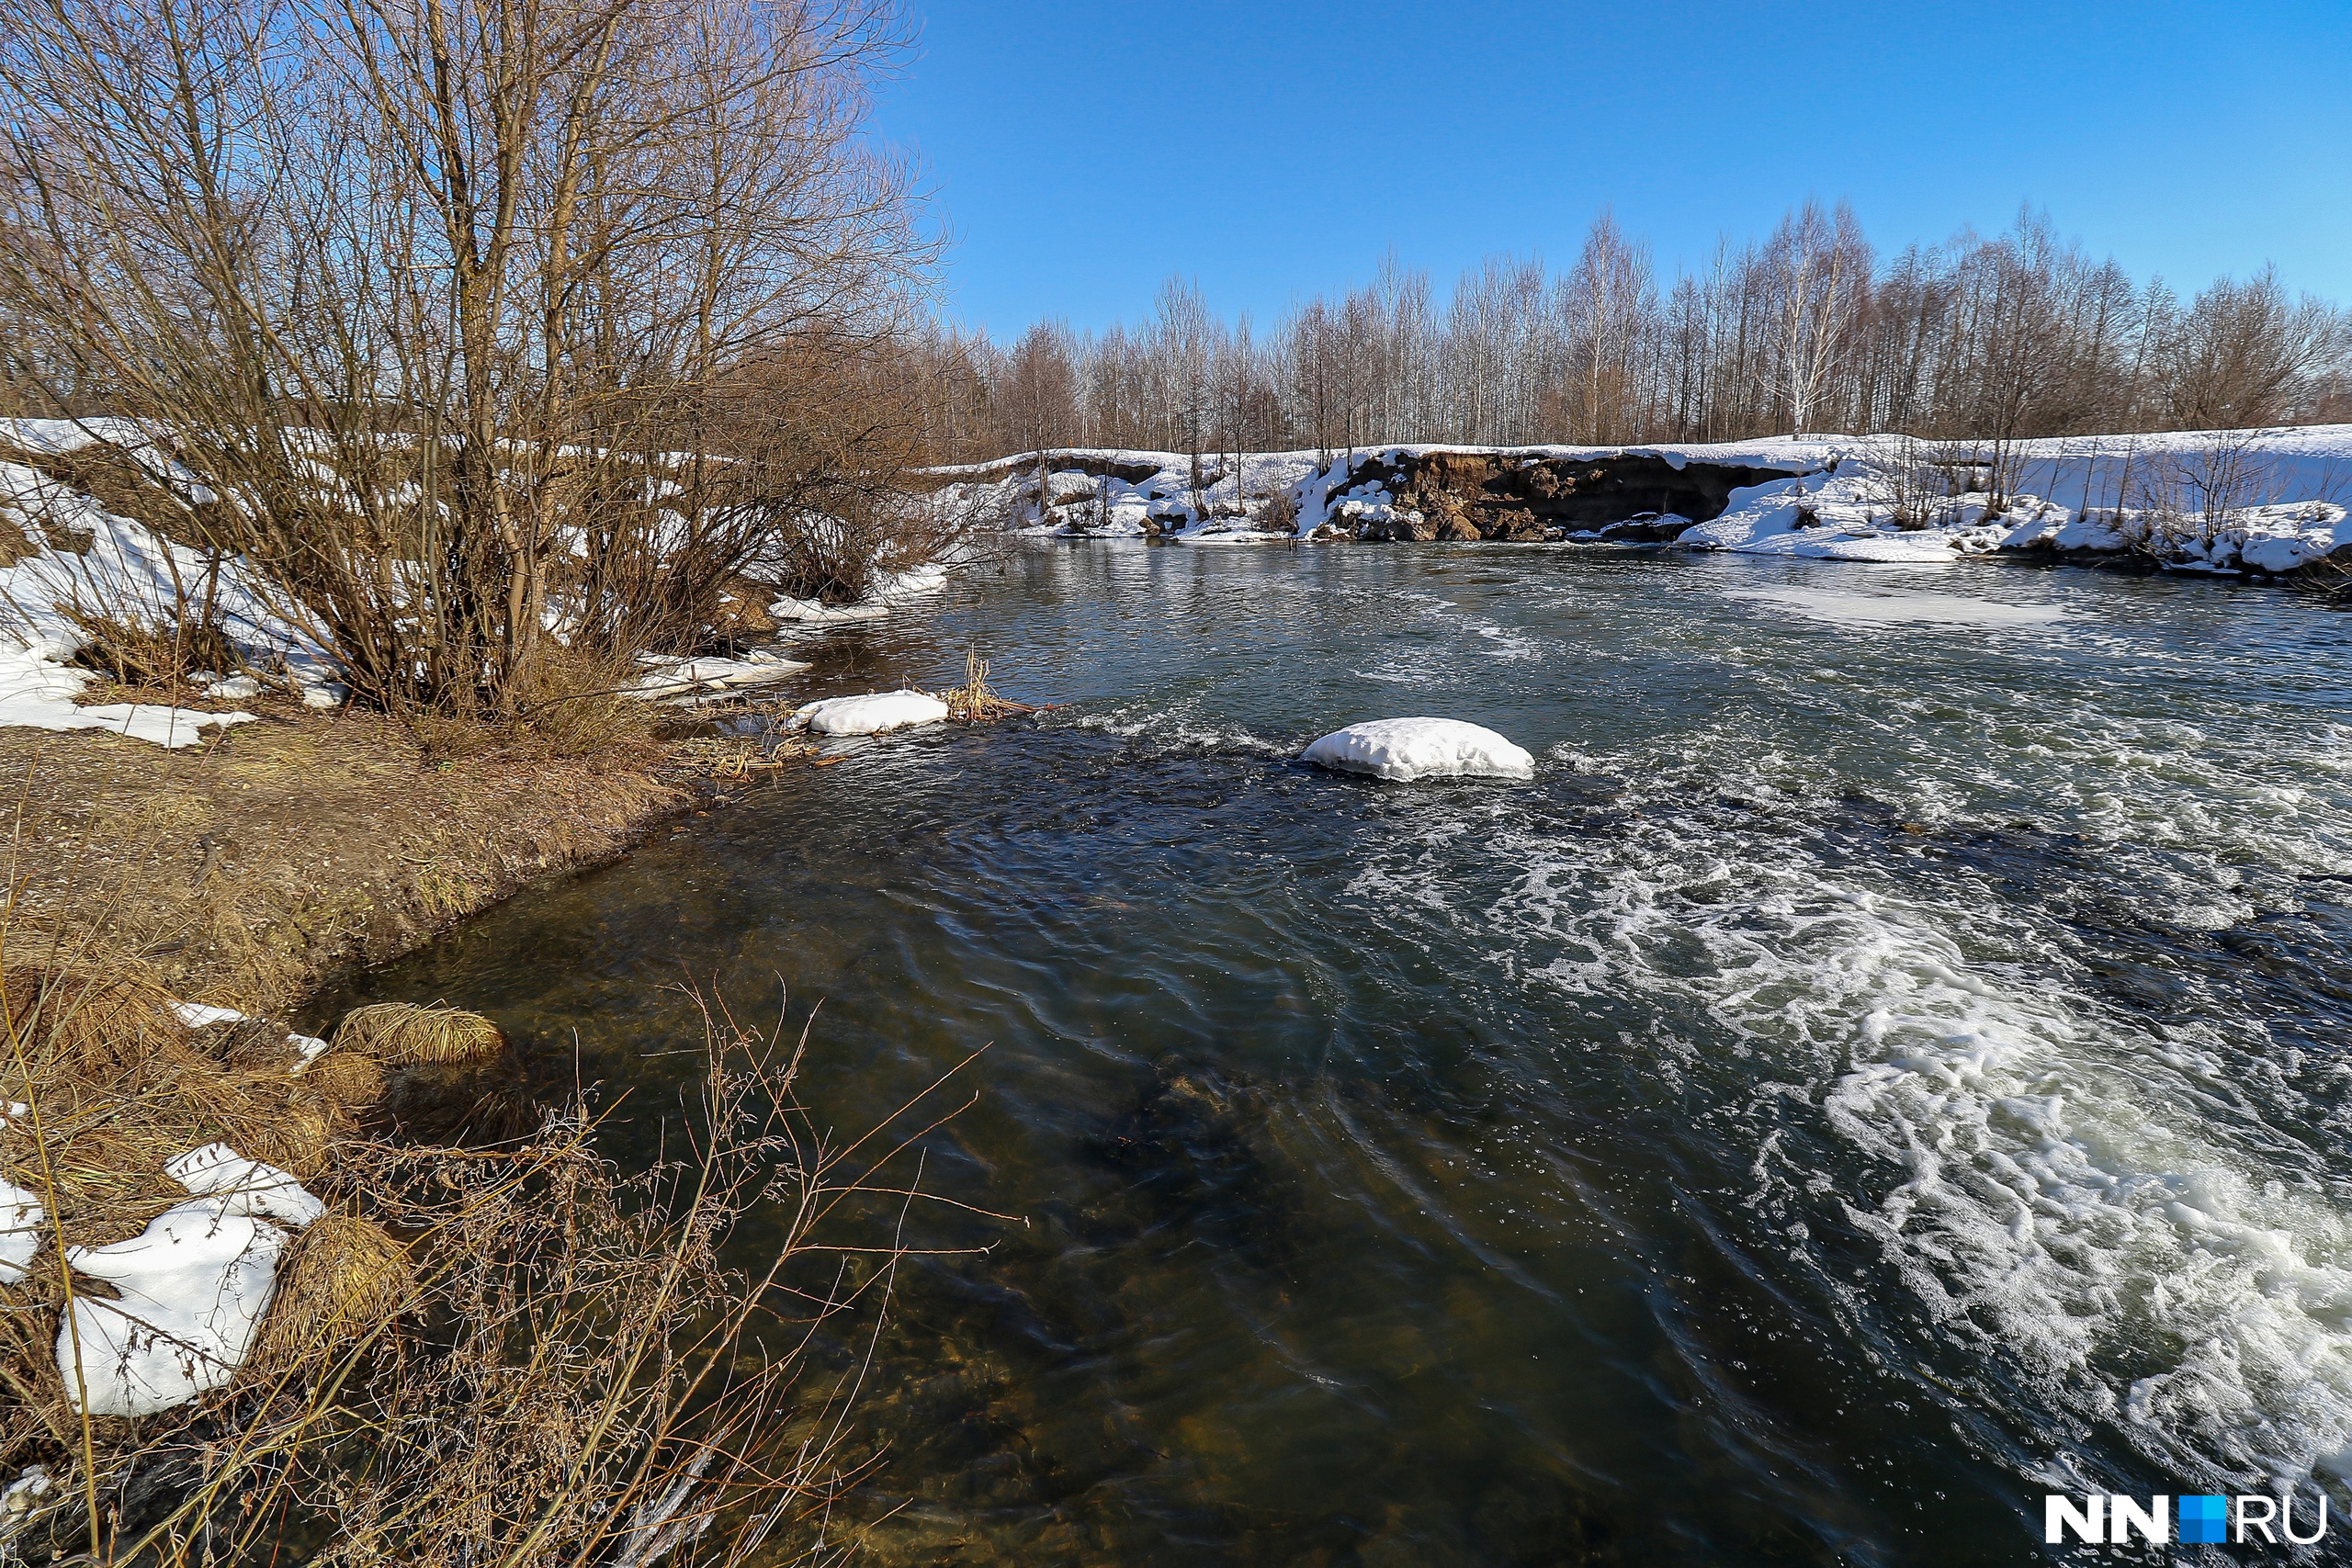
x,y
134,652
510,1354
244,871
572,704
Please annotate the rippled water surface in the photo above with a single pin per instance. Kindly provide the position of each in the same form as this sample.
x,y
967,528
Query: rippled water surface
x,y
1890,1063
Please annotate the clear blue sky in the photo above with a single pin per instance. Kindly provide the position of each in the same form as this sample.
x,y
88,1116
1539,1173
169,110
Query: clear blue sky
x,y
1080,152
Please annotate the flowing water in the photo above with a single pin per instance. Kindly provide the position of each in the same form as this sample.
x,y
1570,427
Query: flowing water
x,y
1888,1064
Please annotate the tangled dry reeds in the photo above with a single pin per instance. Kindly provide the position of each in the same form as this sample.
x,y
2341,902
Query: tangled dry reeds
x,y
514,1353
737,757
976,702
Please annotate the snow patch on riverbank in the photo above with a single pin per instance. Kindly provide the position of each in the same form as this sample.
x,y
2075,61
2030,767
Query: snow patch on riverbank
x,y
190,1290
86,561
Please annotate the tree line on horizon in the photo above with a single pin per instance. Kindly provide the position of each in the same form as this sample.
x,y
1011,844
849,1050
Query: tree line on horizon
x,y
1999,338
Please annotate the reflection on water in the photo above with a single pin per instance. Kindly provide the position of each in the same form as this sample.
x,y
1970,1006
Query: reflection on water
x,y
1884,1067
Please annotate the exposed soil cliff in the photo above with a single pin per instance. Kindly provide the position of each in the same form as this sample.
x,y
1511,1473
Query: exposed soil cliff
x,y
1507,496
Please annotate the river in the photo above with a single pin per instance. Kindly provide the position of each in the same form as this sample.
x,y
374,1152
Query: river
x,y
1888,1064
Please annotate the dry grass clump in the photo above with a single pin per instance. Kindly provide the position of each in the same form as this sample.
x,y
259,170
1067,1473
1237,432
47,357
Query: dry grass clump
x,y
514,1354
572,704
576,702
121,1086
90,1020
136,651
397,1033
976,702
120,483
344,1279
350,1078
16,544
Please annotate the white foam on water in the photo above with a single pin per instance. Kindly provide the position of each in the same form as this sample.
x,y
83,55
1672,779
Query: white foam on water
x,y
1501,641
2076,1194
1396,673
1176,727
2049,1189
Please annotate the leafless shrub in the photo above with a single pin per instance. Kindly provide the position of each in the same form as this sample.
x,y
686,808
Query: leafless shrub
x,y
429,295
1280,513
2192,496
1919,486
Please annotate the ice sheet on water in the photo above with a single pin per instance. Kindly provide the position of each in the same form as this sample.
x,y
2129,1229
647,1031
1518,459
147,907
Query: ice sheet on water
x,y
1846,607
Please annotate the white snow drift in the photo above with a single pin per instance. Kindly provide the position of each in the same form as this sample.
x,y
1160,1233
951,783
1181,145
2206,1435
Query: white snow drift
x,y
869,714
192,1289
1421,747
690,680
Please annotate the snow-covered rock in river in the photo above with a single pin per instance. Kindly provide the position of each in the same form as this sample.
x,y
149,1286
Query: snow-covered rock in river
x,y
1421,747
191,1289
869,715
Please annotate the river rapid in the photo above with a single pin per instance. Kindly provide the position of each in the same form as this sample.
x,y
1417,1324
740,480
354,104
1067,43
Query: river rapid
x,y
1888,1064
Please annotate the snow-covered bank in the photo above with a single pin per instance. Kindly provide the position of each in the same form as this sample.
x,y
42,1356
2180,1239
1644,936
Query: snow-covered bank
x,y
77,579
65,562
2268,502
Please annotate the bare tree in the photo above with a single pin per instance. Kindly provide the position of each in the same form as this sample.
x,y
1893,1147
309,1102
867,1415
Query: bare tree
x,y
2244,354
1610,305
435,293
